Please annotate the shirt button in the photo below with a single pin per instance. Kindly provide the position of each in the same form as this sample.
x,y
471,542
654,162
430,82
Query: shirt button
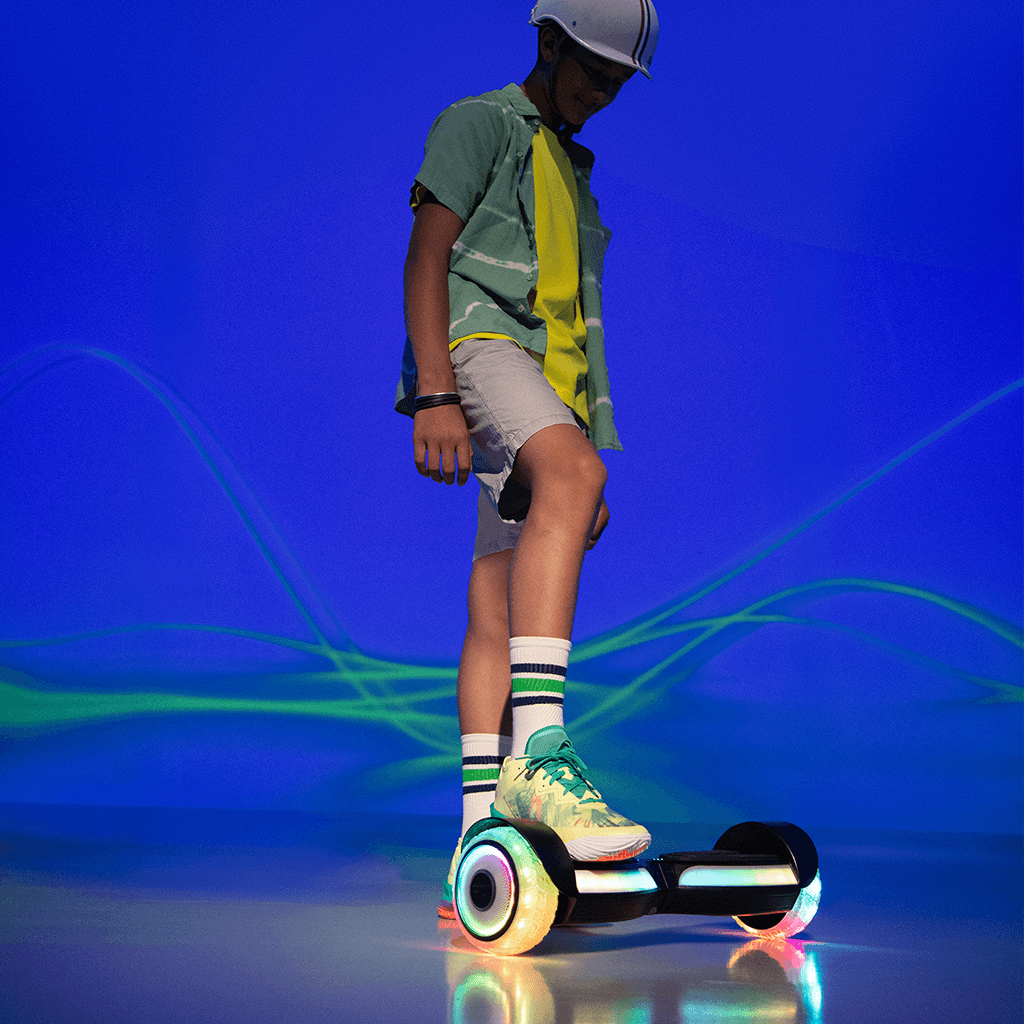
x,y
521,308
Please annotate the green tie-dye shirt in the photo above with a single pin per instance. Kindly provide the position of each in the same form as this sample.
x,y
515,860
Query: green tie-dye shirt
x,y
478,163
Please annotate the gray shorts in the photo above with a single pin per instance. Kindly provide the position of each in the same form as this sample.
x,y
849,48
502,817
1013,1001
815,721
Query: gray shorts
x,y
506,399
492,533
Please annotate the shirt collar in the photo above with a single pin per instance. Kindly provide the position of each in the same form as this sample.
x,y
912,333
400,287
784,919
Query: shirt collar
x,y
520,104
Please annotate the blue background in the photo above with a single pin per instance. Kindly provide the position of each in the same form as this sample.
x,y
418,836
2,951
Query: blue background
x,y
815,268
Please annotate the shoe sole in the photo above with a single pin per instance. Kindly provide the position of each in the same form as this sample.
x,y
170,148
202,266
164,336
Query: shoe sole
x,y
617,842
603,848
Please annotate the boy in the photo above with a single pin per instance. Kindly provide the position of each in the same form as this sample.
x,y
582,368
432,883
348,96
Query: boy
x,y
504,373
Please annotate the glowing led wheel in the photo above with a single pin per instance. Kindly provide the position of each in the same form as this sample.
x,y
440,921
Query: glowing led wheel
x,y
504,900
781,926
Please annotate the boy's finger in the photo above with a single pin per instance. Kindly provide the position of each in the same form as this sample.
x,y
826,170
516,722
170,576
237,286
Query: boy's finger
x,y
420,455
464,453
449,466
429,461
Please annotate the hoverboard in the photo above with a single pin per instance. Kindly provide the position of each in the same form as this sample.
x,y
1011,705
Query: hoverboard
x,y
515,881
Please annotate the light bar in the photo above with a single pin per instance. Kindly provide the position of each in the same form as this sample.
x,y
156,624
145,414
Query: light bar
x,y
777,874
615,880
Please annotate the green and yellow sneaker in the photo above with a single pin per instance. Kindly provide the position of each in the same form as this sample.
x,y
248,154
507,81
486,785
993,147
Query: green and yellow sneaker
x,y
549,785
445,908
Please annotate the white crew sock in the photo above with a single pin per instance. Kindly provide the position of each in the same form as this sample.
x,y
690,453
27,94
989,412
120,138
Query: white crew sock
x,y
538,684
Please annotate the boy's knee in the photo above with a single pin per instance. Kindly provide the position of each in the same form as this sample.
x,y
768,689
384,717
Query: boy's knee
x,y
488,621
561,464
584,479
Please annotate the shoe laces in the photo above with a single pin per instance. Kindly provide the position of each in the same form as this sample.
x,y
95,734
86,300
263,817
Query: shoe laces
x,y
565,767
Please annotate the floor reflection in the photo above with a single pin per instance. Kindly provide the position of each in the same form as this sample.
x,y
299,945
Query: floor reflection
x,y
760,980
161,915
770,981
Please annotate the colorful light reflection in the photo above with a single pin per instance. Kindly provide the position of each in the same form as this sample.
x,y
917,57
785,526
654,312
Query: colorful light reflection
x,y
704,875
630,880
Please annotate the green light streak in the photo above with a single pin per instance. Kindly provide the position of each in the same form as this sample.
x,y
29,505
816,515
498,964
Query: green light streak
x,y
23,707
358,671
392,693
613,637
193,426
376,681
652,628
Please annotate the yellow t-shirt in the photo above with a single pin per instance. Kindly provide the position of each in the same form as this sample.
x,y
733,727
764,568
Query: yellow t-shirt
x,y
558,281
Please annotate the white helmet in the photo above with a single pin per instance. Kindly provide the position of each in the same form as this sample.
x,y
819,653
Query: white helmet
x,y
624,31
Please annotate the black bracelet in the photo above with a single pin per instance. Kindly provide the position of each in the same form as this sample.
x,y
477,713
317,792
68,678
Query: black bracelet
x,y
433,401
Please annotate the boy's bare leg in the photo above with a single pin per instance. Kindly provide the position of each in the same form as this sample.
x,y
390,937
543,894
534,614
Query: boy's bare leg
x,y
543,778
566,480
484,689
485,682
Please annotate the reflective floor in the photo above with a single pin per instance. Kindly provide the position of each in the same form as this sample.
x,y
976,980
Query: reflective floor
x,y
152,915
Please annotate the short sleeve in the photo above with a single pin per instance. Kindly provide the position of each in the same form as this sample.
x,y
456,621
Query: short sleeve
x,y
460,154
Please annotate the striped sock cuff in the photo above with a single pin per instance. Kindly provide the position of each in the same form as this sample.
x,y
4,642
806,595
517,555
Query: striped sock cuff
x,y
482,755
538,669
480,773
533,675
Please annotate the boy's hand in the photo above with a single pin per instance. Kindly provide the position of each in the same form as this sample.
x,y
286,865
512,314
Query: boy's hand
x,y
441,442
599,524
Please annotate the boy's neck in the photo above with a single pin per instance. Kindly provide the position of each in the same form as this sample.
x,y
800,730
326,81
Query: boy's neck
x,y
534,90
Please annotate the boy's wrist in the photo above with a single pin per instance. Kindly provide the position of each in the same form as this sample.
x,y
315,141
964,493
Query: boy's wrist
x,y
431,381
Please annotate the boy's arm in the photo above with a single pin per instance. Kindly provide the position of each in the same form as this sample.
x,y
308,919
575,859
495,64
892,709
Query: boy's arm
x,y
440,436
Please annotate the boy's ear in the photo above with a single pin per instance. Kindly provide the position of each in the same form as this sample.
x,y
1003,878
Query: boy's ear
x,y
553,37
